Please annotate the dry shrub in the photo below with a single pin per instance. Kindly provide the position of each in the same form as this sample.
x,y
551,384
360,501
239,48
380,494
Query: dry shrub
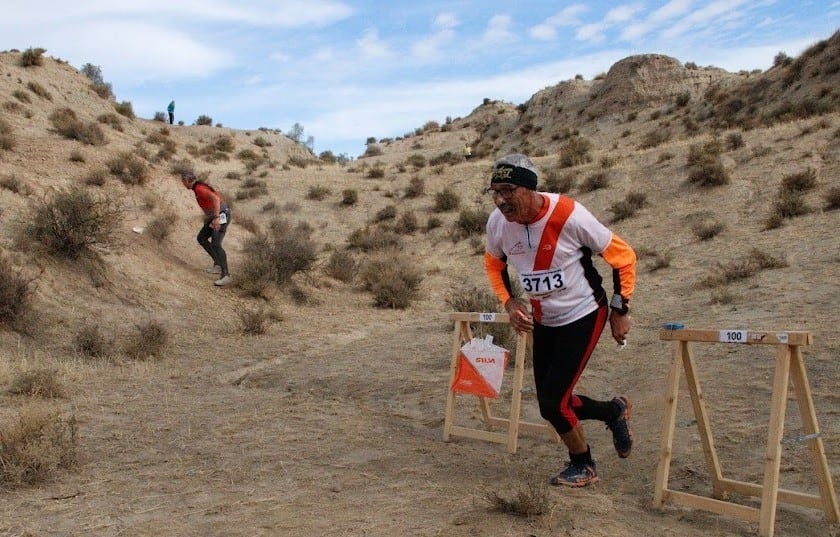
x,y
16,292
416,187
734,140
659,261
389,212
160,226
251,188
393,279
7,137
800,182
129,168
707,229
13,183
371,238
275,256
832,198
628,207
557,183
89,341
103,89
39,90
318,192
113,120
473,298
256,321
37,383
469,222
373,150
125,109
447,157
788,205
22,96
446,200
248,223
96,177
77,156
407,223
575,151
342,266
755,262
595,181
528,499
150,340
73,222
349,197
32,57
433,222
709,173
376,172
66,123
37,444
654,138
416,160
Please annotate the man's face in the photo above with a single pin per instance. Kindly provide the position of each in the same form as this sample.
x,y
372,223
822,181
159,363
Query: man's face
x,y
511,200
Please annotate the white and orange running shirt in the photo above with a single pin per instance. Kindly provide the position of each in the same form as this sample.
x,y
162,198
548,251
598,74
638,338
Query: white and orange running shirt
x,y
553,260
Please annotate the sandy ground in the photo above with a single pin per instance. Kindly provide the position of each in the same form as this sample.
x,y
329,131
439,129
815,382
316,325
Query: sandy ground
x,y
331,423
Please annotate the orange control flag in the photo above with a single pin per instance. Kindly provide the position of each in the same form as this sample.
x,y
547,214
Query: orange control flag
x,y
481,366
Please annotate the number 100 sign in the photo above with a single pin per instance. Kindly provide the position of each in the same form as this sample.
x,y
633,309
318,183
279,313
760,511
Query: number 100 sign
x,y
732,336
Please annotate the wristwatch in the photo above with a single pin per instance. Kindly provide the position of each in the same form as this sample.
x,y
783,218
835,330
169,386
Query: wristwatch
x,y
619,304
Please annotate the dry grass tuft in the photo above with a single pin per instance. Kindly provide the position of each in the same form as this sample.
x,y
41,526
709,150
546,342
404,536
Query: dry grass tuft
x,y
528,499
40,442
160,227
37,383
150,340
342,266
16,293
755,262
89,341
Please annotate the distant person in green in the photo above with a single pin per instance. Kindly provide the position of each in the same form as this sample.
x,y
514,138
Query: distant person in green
x,y
171,110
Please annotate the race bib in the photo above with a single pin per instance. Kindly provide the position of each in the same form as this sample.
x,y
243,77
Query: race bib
x,y
543,282
222,218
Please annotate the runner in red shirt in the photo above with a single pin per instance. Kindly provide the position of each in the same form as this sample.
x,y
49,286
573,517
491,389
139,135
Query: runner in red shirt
x,y
216,220
549,240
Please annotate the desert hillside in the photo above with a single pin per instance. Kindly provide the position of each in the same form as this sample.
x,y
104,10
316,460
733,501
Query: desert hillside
x,y
307,398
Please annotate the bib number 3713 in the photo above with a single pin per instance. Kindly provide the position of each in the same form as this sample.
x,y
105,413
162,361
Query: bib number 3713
x,y
543,282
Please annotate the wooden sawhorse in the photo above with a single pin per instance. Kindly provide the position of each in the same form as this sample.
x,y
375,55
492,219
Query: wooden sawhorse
x,y
463,334
789,366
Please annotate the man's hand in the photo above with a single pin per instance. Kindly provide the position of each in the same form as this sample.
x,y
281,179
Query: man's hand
x,y
620,326
215,225
520,317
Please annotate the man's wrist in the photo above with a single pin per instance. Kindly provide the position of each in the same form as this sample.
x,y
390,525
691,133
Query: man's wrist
x,y
619,304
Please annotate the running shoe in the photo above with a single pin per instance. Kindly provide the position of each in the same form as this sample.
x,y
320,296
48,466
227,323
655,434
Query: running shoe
x,y
621,433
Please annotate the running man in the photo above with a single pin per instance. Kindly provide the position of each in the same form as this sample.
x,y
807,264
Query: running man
x,y
549,239
216,220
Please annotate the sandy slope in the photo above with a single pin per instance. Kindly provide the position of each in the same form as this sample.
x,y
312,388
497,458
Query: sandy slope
x,y
330,424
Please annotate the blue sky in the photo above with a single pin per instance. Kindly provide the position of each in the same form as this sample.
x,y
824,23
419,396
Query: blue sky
x,y
347,70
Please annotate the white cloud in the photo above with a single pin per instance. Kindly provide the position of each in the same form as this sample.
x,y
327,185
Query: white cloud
x,y
543,32
701,17
669,11
371,46
591,32
286,14
132,53
568,16
498,30
428,48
